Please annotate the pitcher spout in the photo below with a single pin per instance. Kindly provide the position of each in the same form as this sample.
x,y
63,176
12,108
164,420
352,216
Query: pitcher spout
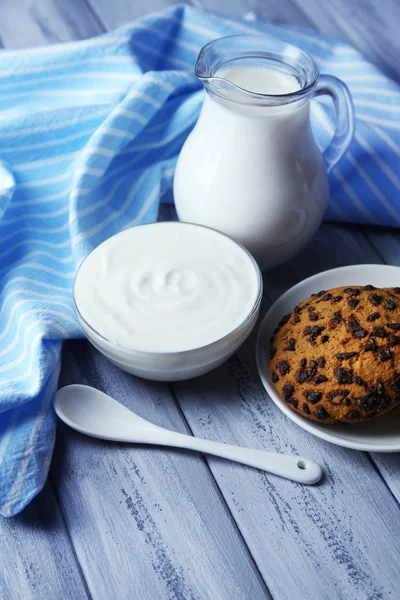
x,y
222,63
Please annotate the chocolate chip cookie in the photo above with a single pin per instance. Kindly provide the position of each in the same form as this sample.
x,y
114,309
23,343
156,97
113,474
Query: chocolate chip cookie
x,y
336,357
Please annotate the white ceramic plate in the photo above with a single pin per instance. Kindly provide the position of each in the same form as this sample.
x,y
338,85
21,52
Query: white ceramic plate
x,y
381,434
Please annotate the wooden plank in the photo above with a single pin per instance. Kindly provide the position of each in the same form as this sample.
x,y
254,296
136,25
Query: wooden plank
x,y
369,26
145,522
36,556
45,21
112,15
386,244
324,538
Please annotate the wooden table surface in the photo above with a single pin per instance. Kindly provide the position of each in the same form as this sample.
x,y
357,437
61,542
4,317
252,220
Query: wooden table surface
x,y
120,522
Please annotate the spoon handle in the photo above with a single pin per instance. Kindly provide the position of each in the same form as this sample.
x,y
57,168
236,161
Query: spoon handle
x,y
296,468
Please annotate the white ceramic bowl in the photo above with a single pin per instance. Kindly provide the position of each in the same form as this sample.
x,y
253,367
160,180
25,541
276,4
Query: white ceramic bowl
x,y
381,434
175,366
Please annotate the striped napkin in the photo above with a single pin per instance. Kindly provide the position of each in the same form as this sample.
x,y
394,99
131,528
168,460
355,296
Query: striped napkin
x,y
89,137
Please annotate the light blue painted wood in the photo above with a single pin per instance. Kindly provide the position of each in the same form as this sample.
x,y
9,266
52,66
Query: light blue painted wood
x,y
370,26
25,23
146,523
113,15
36,556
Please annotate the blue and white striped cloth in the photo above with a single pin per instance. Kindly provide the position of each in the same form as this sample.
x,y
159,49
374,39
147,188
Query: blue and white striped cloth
x,y
89,137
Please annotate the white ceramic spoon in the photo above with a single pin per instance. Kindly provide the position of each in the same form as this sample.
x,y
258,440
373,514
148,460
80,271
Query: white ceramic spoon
x,y
94,413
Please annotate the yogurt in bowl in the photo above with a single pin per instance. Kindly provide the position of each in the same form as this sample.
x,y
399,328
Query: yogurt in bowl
x,y
168,301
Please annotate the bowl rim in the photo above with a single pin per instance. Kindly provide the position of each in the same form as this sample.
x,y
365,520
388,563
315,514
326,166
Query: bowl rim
x,y
116,345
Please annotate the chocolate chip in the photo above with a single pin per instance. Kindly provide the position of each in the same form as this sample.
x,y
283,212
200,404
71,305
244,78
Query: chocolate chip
x,y
360,333
353,414
312,341
337,299
297,309
343,376
316,331
384,355
321,362
370,346
321,413
314,316
312,397
352,302
326,297
320,379
321,293
303,362
306,409
310,308
346,401
272,353
373,317
338,398
396,290
324,339
380,388
293,401
274,377
379,332
353,324
346,355
341,394
284,320
283,367
307,330
395,326
291,345
356,328
389,304
359,381
352,291
287,391
375,299
337,318
296,319
275,330
372,401
369,287
302,376
394,340
313,364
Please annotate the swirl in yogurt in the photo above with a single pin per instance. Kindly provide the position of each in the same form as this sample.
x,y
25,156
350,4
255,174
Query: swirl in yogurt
x,y
166,287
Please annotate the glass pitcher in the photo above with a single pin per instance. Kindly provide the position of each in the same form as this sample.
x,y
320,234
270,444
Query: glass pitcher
x,y
251,167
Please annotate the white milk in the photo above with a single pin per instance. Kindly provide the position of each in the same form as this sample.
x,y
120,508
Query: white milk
x,y
166,287
253,172
260,79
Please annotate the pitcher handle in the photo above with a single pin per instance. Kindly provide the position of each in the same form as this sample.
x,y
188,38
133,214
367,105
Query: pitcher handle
x,y
340,94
